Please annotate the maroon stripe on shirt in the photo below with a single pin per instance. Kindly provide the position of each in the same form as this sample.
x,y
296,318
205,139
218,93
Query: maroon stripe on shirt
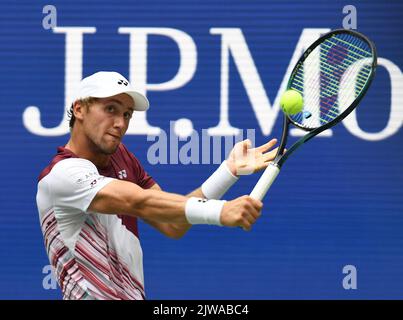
x,y
62,153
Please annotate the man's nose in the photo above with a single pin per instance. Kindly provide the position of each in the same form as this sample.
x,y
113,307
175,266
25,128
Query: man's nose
x,y
119,121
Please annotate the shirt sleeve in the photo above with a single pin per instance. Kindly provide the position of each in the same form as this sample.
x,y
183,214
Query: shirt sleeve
x,y
144,180
74,183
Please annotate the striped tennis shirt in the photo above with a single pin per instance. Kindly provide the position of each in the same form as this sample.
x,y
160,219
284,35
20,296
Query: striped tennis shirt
x,y
94,255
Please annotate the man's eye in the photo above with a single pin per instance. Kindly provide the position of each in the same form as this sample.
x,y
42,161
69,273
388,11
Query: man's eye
x,y
128,115
110,108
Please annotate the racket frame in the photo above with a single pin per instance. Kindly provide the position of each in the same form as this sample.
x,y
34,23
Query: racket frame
x,y
282,157
273,169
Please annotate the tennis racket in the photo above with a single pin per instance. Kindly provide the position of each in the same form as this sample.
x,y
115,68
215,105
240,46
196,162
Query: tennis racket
x,y
332,76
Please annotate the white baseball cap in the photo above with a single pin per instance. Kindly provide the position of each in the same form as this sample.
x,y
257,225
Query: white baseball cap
x,y
105,84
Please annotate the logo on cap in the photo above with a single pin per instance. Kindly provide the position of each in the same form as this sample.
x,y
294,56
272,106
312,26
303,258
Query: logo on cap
x,y
123,82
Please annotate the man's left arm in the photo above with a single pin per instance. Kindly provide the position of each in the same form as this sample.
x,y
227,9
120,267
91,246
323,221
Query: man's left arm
x,y
174,230
242,160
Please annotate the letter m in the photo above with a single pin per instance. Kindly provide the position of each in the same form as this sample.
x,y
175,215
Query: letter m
x,y
233,43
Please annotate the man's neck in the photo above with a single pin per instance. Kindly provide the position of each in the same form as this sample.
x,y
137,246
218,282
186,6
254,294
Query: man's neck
x,y
83,149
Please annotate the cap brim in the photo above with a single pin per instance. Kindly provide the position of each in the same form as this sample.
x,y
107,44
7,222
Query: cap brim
x,y
105,84
141,102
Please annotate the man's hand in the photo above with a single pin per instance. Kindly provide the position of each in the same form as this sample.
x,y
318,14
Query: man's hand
x,y
241,212
244,160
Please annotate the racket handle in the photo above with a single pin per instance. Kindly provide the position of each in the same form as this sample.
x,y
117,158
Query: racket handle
x,y
265,181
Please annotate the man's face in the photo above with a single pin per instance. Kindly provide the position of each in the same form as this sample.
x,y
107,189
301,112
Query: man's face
x,y
106,121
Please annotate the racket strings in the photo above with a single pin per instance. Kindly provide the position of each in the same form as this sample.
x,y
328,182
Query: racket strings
x,y
330,78
332,67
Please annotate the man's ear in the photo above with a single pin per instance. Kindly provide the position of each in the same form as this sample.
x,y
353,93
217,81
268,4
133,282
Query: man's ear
x,y
78,110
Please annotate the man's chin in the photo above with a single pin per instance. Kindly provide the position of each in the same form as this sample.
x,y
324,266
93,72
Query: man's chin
x,y
110,150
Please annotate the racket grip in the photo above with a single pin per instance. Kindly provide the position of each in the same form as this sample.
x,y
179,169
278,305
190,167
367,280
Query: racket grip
x,y
265,181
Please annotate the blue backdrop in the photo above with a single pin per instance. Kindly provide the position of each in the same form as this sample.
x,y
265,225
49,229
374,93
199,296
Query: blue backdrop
x,y
337,201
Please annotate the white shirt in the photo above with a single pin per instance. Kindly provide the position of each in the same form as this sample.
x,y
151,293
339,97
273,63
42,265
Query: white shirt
x,y
94,255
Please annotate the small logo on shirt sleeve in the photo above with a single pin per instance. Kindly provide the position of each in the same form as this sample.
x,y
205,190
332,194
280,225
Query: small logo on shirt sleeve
x,y
122,174
85,177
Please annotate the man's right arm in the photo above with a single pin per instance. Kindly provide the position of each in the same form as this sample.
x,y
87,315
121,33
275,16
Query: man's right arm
x,y
122,197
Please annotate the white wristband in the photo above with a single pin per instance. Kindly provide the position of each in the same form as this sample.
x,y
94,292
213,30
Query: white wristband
x,y
203,211
219,182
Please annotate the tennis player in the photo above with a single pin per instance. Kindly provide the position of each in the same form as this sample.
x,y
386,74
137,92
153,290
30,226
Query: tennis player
x,y
94,189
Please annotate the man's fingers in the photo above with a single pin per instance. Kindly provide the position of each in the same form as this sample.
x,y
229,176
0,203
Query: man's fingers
x,y
242,212
256,203
268,156
262,166
246,144
253,210
246,226
267,145
250,217
256,213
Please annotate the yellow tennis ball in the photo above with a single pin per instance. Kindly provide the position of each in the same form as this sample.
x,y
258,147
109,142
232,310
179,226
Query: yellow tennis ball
x,y
291,102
